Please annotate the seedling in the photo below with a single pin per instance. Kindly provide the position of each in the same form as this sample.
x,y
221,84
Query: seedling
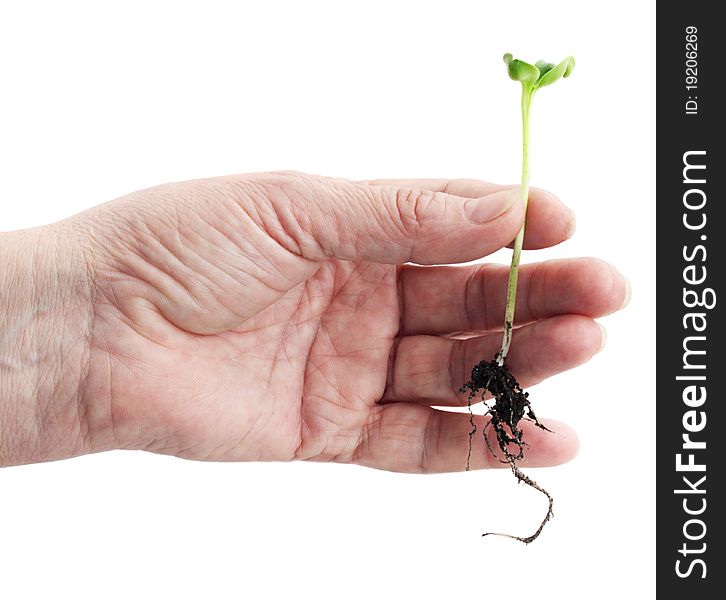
x,y
511,403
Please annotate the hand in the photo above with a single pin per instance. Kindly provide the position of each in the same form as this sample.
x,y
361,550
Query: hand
x,y
272,317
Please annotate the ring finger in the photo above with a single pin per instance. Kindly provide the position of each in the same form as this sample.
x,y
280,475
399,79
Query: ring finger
x,y
431,369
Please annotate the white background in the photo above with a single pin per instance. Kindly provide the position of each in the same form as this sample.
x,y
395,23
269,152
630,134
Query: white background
x,y
98,99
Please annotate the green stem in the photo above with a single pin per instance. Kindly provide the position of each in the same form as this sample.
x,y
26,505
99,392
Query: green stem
x,y
527,93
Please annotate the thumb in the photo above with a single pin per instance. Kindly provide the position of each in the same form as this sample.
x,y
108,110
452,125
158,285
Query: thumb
x,y
210,254
320,217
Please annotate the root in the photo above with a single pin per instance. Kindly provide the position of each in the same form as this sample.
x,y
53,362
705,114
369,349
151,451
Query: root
x,y
532,483
472,433
511,405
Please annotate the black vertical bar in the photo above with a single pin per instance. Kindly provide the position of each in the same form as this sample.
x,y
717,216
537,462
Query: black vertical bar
x,y
691,261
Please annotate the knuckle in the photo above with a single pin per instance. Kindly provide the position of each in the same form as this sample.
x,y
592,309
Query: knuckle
x,y
286,205
415,215
413,208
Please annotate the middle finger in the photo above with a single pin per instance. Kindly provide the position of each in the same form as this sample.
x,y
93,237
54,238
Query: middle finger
x,y
445,300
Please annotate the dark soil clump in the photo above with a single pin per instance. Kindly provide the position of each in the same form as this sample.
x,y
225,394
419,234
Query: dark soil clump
x,y
511,405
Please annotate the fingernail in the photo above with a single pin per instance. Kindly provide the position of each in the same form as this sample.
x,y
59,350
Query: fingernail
x,y
571,226
604,338
482,210
628,294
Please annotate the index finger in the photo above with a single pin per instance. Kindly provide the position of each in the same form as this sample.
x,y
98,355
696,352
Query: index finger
x,y
549,221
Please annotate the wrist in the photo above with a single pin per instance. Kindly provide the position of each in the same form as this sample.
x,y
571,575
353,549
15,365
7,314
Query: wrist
x,y
45,328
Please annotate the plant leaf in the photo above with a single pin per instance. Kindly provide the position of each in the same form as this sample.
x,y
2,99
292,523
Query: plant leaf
x,y
520,70
554,73
570,66
543,67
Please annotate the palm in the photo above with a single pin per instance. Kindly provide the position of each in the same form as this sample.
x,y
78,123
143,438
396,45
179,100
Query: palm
x,y
300,379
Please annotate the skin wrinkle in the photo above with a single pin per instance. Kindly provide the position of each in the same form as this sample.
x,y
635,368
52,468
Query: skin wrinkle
x,y
138,248
37,428
320,449
421,203
345,201
468,295
259,423
406,431
476,312
430,442
455,366
214,288
355,276
120,361
217,292
401,298
389,391
57,377
150,265
280,224
114,301
184,242
288,205
236,445
167,286
112,413
263,263
362,446
407,203
283,335
392,218
83,406
266,246
350,278
379,224
304,425
446,205
162,259
127,229
159,264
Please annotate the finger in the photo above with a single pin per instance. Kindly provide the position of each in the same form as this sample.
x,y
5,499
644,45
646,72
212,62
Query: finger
x,y
319,218
439,300
549,221
431,369
418,439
